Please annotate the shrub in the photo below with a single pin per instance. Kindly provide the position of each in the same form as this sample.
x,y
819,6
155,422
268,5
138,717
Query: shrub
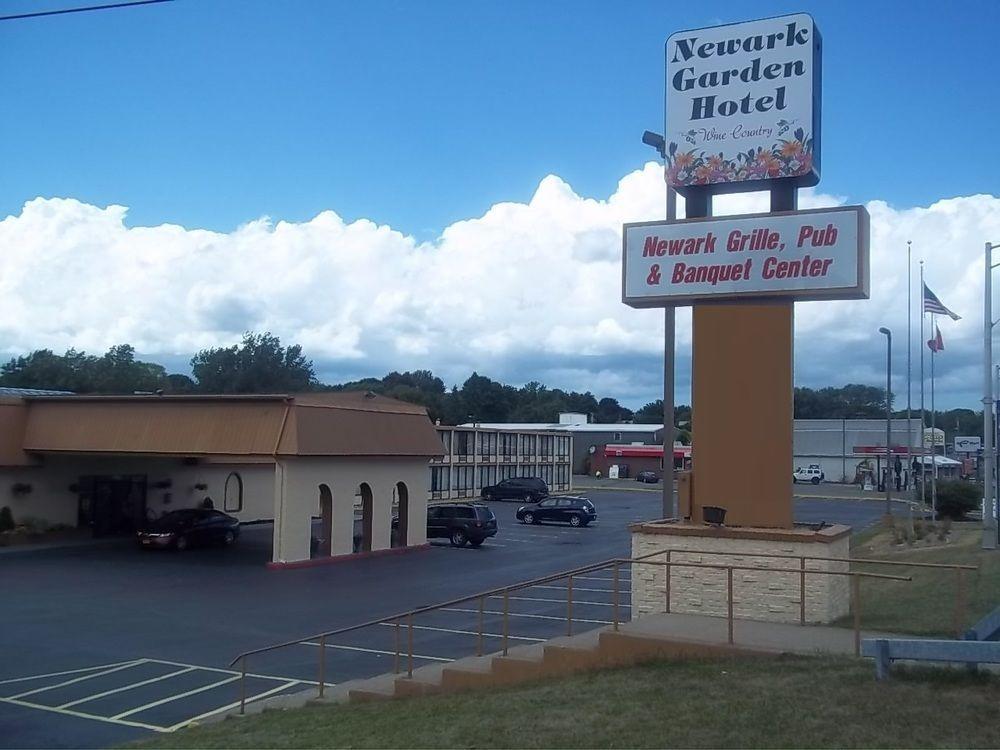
x,y
957,497
6,519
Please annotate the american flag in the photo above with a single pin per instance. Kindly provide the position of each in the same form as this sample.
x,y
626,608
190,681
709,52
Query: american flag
x,y
933,305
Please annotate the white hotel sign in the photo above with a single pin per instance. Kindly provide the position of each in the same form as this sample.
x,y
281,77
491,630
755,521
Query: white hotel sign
x,y
743,104
805,255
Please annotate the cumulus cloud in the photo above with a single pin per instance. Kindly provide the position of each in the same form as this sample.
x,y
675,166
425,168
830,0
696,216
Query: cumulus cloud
x,y
527,291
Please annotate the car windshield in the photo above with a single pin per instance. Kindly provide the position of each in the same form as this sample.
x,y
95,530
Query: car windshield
x,y
484,513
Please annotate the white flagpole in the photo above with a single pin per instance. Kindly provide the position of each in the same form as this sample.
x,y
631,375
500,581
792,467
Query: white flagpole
x,y
909,369
923,423
933,433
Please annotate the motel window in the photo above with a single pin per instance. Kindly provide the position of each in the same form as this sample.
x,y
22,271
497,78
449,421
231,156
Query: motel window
x,y
439,478
546,474
527,445
445,436
507,444
546,449
233,501
561,446
487,444
617,437
464,443
487,476
562,475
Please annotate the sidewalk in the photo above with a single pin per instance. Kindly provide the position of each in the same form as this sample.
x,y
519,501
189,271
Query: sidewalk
x,y
23,549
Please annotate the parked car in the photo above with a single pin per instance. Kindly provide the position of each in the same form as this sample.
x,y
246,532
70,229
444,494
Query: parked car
x,y
526,489
190,527
576,511
461,523
810,474
647,476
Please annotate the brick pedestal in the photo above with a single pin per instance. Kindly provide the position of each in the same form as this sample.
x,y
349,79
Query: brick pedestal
x,y
767,594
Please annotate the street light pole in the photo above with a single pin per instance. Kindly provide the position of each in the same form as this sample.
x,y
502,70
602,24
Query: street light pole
x,y
669,500
888,419
989,457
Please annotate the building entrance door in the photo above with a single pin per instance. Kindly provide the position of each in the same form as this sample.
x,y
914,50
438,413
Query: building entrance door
x,y
112,505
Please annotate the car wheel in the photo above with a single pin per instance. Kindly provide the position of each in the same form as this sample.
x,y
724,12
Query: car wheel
x,y
815,480
476,542
575,521
229,538
458,538
181,544
529,518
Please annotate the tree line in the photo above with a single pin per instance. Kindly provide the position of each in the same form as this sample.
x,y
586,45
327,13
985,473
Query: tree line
x,y
261,364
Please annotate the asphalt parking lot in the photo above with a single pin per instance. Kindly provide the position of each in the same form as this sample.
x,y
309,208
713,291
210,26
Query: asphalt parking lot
x,y
104,644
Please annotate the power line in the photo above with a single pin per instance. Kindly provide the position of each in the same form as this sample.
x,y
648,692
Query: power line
x,y
64,11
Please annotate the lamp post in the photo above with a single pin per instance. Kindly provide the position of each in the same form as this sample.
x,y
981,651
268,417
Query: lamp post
x,y
670,505
989,456
888,419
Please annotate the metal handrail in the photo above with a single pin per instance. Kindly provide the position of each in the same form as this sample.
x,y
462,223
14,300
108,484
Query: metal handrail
x,y
406,618
861,560
424,609
959,610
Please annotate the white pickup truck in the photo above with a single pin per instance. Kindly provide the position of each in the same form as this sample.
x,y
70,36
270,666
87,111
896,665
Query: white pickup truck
x,y
812,474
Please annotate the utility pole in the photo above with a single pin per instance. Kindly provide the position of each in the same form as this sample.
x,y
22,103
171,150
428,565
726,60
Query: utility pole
x,y
989,457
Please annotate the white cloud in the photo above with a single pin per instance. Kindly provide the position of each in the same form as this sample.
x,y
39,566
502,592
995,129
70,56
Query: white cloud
x,y
524,292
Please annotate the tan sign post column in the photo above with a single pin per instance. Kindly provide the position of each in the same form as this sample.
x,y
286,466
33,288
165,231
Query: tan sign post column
x,y
742,114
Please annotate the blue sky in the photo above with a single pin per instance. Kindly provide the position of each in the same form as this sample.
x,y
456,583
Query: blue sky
x,y
431,130
210,113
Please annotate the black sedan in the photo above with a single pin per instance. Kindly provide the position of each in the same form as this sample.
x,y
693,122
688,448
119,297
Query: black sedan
x,y
190,527
576,511
647,476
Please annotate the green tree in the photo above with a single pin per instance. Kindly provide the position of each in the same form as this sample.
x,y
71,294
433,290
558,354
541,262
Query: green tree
x,y
609,411
259,364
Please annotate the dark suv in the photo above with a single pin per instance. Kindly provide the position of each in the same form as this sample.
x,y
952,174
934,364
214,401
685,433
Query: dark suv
x,y
576,511
461,523
525,489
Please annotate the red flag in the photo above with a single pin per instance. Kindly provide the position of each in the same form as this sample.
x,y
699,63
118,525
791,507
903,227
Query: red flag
x,y
936,344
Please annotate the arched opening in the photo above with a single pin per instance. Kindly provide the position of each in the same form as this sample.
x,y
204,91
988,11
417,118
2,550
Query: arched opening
x,y
400,531
363,536
233,498
323,543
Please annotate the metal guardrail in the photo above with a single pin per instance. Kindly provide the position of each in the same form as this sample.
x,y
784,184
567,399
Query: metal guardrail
x,y
405,619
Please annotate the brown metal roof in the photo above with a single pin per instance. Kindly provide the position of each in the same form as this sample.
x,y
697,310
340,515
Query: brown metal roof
x,y
319,424
13,419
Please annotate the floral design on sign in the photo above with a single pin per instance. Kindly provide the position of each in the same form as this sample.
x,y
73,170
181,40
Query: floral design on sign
x,y
789,157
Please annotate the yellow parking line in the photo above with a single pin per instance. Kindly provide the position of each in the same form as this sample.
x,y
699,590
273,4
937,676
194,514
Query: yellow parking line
x,y
126,665
127,687
81,714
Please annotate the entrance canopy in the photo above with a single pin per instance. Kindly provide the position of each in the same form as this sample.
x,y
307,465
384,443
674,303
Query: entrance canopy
x,y
253,426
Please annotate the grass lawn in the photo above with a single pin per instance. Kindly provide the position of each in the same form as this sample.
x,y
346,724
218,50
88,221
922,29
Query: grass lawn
x,y
925,605
782,702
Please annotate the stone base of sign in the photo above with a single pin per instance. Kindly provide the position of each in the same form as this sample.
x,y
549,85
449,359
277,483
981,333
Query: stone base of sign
x,y
772,593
